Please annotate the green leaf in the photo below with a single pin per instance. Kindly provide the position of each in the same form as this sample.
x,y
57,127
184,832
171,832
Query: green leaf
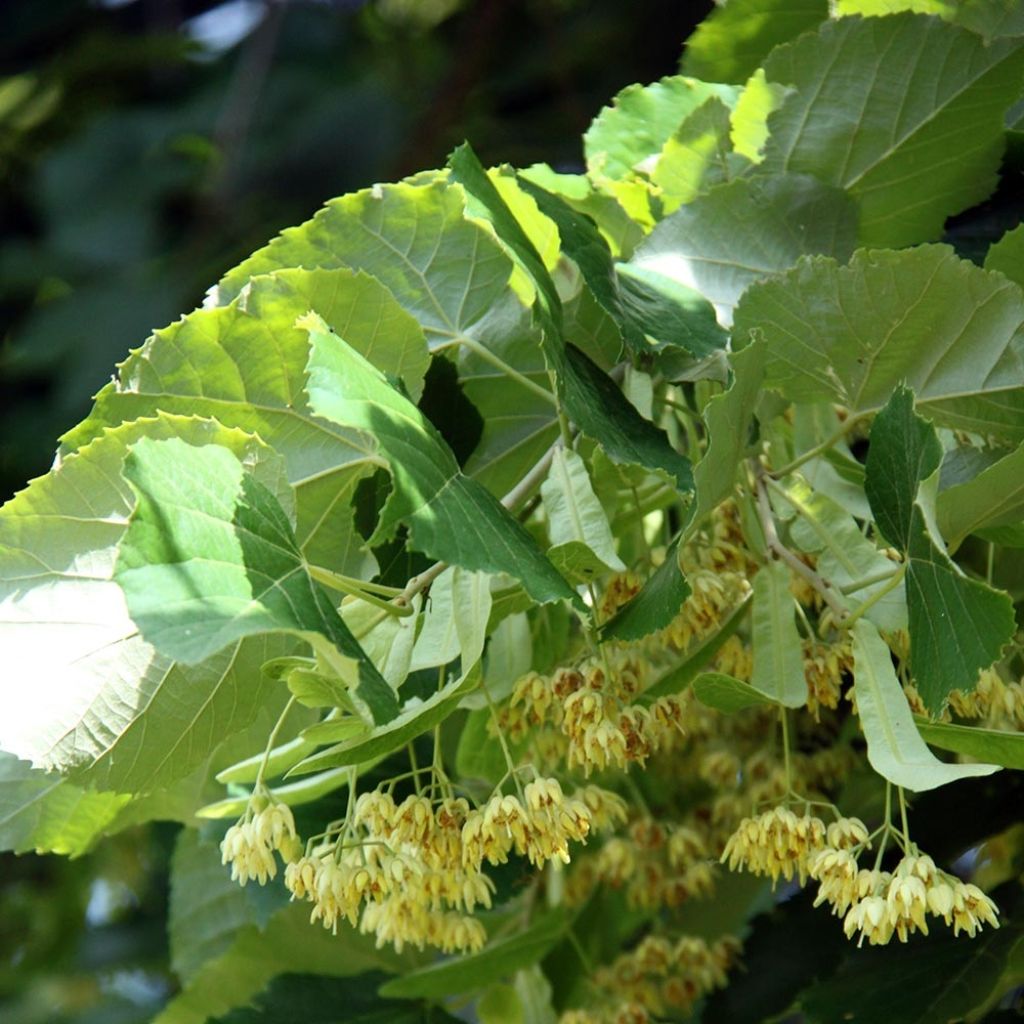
x,y
500,1005
778,656
939,980
880,8
206,907
445,270
620,231
728,418
895,748
697,155
209,558
845,555
993,498
909,164
744,230
640,120
601,411
1007,255
734,39
727,694
316,1000
992,745
676,679
45,813
759,99
992,19
103,699
388,640
455,623
245,365
519,424
951,331
656,605
671,313
587,394
288,944
958,626
452,518
483,200
415,718
651,312
478,756
575,516
494,962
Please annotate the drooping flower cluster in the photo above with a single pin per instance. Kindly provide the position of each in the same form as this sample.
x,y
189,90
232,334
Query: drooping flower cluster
x,y
412,873
658,977
714,594
777,843
249,845
595,710
880,904
999,702
825,666
658,865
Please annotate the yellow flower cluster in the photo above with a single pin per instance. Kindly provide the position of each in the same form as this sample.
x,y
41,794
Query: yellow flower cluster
x,y
249,845
412,872
824,668
879,904
620,590
724,549
657,865
1000,702
777,843
660,976
592,706
604,733
539,827
735,658
714,594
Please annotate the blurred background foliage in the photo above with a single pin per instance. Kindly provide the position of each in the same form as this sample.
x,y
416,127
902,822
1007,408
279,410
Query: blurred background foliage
x,y
148,145
145,147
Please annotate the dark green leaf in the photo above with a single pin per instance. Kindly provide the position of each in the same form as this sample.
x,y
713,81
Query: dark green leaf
x,y
904,451
602,411
494,962
936,980
958,625
1002,748
289,944
312,999
657,604
452,518
728,418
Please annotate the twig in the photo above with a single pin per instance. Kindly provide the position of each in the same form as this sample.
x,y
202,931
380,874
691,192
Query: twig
x,y
771,538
